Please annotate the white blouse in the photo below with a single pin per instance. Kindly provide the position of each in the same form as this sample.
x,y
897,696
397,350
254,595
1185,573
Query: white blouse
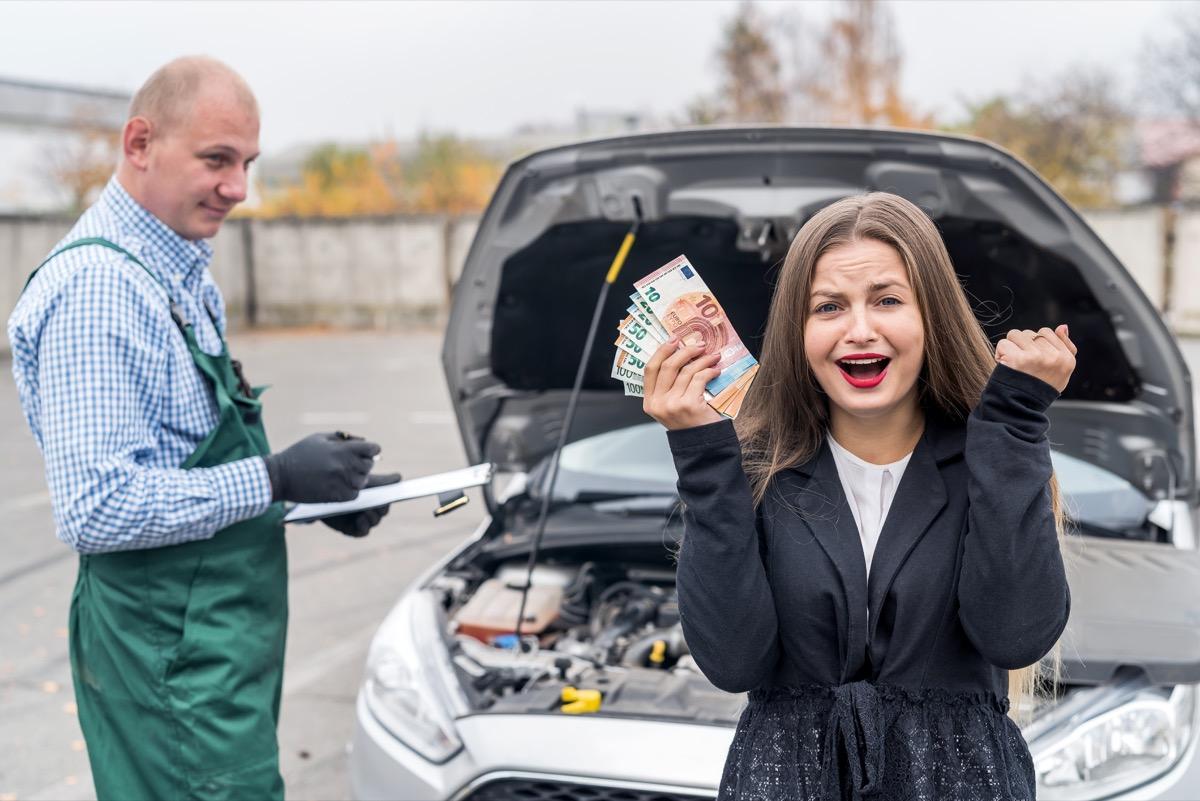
x,y
869,490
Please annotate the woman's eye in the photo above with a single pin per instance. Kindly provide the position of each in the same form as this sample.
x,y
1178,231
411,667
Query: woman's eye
x,y
826,308
894,301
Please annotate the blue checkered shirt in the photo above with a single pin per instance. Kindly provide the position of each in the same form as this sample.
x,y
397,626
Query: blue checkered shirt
x,y
112,394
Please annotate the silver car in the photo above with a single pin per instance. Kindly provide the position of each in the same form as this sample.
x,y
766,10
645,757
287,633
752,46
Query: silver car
x,y
603,701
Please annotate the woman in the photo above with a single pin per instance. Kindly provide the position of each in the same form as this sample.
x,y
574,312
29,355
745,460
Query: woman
x,y
875,548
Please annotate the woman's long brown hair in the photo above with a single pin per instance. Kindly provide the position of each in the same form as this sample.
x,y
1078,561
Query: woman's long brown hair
x,y
785,415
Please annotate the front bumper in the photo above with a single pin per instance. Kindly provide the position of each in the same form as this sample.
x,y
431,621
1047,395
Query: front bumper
x,y
535,757
528,755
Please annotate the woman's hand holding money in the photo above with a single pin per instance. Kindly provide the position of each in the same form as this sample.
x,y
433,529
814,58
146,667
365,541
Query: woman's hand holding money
x,y
675,379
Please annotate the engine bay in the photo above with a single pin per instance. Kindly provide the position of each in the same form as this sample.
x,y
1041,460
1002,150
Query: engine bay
x,y
597,637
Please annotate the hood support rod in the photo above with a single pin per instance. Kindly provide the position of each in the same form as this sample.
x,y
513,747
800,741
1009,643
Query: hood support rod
x,y
552,474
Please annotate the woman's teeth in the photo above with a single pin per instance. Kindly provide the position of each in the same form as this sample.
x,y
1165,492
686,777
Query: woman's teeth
x,y
863,368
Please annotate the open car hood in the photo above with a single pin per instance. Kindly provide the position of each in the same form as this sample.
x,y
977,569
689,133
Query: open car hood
x,y
732,199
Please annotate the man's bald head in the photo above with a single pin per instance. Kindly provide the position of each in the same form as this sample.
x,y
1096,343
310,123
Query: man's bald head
x,y
187,146
169,95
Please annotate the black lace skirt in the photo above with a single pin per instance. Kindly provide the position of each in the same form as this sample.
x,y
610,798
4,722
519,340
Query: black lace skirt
x,y
863,741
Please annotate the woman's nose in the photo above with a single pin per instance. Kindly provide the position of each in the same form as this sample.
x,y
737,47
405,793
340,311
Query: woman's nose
x,y
860,328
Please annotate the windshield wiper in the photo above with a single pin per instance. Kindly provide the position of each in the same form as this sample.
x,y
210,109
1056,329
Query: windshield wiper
x,y
633,504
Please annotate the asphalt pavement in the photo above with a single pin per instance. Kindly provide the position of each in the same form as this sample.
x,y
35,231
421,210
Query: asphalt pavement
x,y
387,387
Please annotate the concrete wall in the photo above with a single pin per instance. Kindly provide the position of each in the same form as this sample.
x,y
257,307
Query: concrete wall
x,y
1185,260
351,272
24,242
365,272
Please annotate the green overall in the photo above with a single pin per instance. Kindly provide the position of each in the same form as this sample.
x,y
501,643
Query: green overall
x,y
177,652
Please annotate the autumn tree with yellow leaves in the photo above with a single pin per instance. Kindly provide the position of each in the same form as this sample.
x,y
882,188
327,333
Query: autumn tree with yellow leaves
x,y
1075,132
445,175
82,162
846,70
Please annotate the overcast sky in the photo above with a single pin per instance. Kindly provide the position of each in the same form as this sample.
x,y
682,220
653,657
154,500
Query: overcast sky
x,y
361,70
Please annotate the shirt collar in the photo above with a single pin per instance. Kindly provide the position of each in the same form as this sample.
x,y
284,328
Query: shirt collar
x,y
184,258
840,451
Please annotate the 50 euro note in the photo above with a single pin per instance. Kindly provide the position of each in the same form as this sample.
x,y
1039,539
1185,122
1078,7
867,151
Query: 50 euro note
x,y
638,341
635,338
633,348
685,307
629,368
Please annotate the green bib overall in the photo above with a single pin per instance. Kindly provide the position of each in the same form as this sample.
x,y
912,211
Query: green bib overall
x,y
177,652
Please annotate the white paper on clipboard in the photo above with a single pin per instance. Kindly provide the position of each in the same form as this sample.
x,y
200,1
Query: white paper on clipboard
x,y
390,493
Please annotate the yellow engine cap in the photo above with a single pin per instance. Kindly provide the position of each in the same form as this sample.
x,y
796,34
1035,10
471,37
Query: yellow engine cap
x,y
580,702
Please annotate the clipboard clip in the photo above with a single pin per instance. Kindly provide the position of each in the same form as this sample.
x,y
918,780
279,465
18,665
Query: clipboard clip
x,y
449,501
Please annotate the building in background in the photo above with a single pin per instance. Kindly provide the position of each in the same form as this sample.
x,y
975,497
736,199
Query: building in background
x,y
60,144
1167,164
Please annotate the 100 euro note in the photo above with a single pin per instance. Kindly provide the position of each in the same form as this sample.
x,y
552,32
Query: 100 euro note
x,y
685,307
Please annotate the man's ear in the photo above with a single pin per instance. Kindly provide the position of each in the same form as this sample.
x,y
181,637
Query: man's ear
x,y
136,142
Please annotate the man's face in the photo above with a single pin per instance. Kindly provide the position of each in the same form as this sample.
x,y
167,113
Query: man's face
x,y
197,170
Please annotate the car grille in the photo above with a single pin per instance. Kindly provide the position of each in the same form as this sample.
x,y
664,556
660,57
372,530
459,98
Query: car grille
x,y
557,790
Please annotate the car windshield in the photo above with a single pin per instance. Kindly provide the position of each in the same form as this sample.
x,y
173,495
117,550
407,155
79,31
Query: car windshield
x,y
636,461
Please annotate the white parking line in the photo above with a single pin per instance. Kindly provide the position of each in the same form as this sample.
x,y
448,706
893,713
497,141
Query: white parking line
x,y
71,788
344,419
437,417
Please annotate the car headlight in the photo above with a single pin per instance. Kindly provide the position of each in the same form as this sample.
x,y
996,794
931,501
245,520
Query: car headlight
x,y
1118,749
410,685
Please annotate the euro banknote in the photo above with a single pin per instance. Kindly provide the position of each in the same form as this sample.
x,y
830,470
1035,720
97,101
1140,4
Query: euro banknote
x,y
674,300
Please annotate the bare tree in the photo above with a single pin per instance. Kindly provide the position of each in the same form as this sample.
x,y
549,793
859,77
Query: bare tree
x,y
752,86
800,42
1171,68
860,81
787,68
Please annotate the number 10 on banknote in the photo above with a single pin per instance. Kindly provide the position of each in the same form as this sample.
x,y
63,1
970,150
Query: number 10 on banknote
x,y
675,300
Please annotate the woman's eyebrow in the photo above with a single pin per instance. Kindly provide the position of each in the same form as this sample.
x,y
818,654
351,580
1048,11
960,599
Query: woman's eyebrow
x,y
874,286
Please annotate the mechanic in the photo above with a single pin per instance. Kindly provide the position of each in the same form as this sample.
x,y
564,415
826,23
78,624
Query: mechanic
x,y
158,466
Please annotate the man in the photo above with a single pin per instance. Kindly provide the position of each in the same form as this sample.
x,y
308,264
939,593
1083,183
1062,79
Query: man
x,y
159,470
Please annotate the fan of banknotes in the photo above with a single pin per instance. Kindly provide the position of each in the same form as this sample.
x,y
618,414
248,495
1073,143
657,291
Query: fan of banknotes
x,y
675,300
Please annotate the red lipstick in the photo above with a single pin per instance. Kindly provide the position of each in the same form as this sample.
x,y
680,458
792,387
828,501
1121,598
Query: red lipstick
x,y
864,383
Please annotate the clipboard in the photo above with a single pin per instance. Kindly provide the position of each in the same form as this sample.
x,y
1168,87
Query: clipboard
x,y
436,484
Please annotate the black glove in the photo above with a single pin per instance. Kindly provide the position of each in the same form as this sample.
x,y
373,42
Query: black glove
x,y
321,468
358,524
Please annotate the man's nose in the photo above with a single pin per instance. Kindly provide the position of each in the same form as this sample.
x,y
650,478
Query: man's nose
x,y
233,188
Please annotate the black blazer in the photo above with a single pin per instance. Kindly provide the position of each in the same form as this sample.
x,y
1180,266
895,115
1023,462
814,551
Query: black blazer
x,y
966,583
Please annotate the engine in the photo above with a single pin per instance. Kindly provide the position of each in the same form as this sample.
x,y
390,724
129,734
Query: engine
x,y
595,638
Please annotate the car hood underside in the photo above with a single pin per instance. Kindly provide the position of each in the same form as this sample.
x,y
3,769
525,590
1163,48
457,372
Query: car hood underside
x,y
732,200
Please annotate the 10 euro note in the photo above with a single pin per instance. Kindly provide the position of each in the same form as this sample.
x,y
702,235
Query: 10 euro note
x,y
687,308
